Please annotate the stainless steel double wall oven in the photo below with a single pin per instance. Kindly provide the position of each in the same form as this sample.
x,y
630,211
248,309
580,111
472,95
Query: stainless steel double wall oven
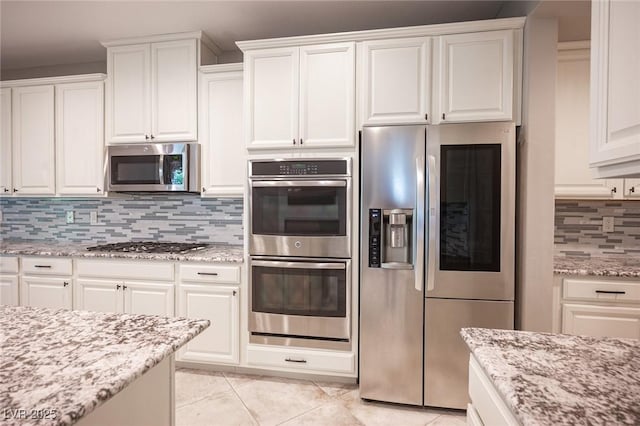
x,y
300,214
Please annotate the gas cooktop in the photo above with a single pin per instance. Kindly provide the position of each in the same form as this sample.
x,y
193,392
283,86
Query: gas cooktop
x,y
149,247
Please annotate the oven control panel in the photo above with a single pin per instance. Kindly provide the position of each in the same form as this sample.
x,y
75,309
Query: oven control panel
x,y
300,167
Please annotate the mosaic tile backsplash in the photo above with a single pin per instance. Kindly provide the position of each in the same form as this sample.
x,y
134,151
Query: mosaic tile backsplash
x,y
578,228
177,218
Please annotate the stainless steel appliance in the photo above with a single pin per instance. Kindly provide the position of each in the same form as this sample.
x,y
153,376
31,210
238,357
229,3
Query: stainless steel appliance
x,y
437,254
157,167
300,246
300,208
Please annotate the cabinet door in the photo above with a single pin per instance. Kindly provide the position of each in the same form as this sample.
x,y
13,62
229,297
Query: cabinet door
x,y
396,84
476,76
32,141
223,151
98,296
631,188
174,98
271,97
601,321
5,141
9,290
327,95
615,86
574,178
79,138
128,85
219,342
149,298
53,293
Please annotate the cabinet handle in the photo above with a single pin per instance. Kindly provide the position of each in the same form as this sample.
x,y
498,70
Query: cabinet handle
x,y
64,284
98,189
124,287
43,266
6,190
301,141
15,190
426,116
301,361
614,190
204,189
153,137
117,286
631,190
294,141
234,292
214,274
610,292
443,116
146,137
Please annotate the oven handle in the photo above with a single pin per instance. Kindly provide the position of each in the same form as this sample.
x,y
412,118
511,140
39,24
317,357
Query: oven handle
x,y
316,183
298,265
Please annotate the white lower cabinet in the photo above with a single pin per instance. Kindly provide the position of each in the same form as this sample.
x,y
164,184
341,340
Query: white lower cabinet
x,y
211,292
9,290
149,298
46,292
321,361
98,295
487,406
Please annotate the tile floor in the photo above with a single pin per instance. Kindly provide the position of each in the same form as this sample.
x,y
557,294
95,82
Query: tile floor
x,y
215,398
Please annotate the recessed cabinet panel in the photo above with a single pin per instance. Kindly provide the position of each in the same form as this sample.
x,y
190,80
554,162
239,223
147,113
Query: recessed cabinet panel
x,y
148,298
173,90
98,296
601,321
271,93
9,290
396,80
476,76
5,142
128,88
33,140
79,138
53,293
327,95
632,188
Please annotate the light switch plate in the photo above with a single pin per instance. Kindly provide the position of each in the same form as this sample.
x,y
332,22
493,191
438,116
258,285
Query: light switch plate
x,y
607,224
71,217
93,217
1,218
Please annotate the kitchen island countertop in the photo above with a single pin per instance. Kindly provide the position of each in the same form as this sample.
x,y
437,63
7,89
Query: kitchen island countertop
x,y
555,379
213,253
68,363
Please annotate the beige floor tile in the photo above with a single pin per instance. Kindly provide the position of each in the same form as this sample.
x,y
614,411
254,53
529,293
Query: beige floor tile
x,y
274,400
331,414
450,420
221,409
236,379
192,385
375,413
336,389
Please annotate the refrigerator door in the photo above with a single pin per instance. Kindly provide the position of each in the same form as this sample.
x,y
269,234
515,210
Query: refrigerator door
x,y
446,357
471,211
391,293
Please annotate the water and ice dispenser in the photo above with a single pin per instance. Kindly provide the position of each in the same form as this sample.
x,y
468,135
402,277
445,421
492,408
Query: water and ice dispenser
x,y
390,238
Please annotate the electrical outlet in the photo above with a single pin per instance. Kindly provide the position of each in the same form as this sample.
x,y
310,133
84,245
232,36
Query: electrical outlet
x,y
607,224
93,217
1,218
71,217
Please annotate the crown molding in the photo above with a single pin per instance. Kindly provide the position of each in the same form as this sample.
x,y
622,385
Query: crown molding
x,y
221,68
54,80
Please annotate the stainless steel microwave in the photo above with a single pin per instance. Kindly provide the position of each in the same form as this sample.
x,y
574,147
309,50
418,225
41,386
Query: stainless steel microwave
x,y
156,167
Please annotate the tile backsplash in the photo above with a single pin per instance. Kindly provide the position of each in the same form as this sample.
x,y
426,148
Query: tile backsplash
x,y
578,228
176,218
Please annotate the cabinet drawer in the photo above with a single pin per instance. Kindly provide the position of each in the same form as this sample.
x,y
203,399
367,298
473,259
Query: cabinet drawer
x,y
127,270
8,265
601,290
46,266
299,359
210,273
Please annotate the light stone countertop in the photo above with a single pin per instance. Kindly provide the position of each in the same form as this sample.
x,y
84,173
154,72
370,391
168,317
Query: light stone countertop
x,y
214,253
605,266
74,361
558,379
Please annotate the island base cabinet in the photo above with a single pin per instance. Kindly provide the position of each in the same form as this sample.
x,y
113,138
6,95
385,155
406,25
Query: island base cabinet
x,y
601,321
487,407
8,290
220,342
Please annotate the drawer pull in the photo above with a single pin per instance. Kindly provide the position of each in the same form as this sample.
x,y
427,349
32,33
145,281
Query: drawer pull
x,y
213,274
301,361
43,266
610,292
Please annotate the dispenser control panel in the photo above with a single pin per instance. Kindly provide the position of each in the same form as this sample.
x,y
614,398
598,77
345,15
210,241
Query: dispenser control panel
x,y
375,228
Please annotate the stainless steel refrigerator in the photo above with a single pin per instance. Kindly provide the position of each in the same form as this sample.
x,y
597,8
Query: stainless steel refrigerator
x,y
437,254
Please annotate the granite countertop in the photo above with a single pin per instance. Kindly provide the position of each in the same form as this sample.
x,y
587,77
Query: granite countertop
x,y
554,379
74,361
606,266
214,253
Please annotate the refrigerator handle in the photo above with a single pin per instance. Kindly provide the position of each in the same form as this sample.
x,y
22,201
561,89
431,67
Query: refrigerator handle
x,y
431,249
419,224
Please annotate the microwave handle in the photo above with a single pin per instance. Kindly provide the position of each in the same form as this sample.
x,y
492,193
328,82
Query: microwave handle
x,y
298,265
314,183
161,169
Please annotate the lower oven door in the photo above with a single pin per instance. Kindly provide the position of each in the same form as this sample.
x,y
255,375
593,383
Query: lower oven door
x,y
304,298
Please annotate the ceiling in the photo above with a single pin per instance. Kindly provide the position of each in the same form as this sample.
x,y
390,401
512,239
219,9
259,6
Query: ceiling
x,y
47,33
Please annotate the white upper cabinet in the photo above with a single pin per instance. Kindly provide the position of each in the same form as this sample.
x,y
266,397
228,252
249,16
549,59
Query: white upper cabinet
x,y
476,76
151,87
33,140
79,138
223,152
632,188
395,81
300,96
615,88
5,142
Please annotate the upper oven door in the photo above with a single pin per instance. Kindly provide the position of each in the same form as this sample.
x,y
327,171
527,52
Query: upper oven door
x,y
301,218
150,167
